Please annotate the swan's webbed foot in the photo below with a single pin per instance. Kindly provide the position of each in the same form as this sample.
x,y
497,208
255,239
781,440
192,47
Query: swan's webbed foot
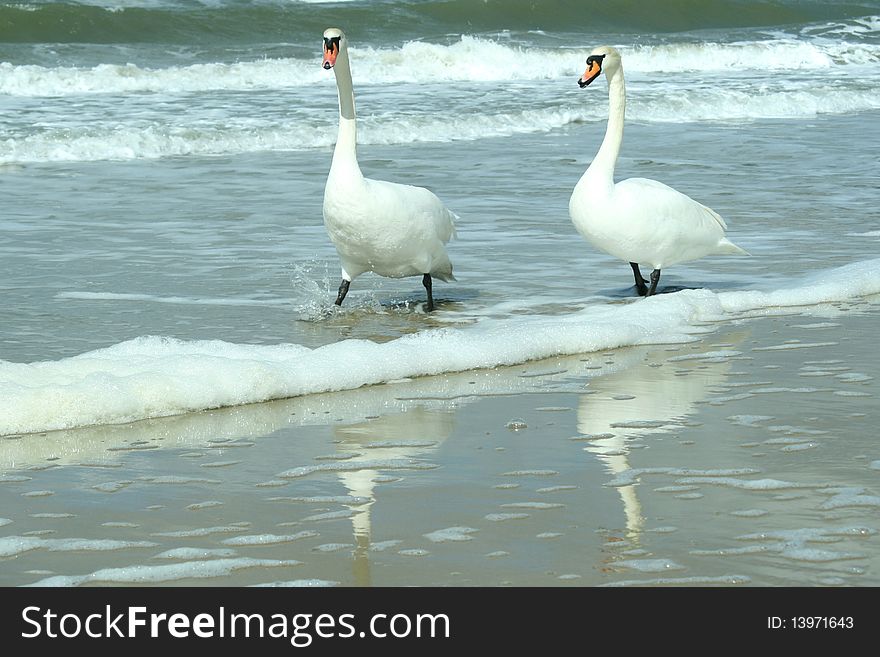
x,y
641,284
655,278
428,283
343,290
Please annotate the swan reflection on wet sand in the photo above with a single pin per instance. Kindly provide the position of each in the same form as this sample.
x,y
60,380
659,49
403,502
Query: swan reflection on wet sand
x,y
653,397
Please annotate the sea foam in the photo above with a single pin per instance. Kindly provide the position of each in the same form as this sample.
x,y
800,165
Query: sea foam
x,y
153,376
470,59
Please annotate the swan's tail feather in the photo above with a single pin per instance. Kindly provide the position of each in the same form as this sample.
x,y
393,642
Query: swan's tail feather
x,y
453,218
443,269
444,275
727,247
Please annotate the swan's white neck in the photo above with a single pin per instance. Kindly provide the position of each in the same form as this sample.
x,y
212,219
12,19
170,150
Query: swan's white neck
x,y
606,158
345,152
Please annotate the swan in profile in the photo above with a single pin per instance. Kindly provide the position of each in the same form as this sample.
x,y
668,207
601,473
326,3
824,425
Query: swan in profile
x,y
638,220
391,229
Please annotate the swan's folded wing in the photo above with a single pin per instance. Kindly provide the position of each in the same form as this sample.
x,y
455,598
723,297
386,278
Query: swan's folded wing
x,y
414,204
664,200
717,217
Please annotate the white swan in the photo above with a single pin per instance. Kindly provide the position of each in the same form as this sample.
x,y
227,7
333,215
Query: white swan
x,y
638,220
391,229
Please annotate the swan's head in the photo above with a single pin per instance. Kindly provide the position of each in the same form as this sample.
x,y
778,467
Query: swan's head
x,y
601,59
334,40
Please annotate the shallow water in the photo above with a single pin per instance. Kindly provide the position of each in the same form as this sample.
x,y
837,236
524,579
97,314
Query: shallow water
x,y
162,251
649,465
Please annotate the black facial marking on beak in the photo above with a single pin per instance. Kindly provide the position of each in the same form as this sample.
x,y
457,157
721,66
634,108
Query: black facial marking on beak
x,y
331,46
591,61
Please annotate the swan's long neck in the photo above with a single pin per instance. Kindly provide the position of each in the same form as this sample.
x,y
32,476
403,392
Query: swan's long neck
x,y
345,152
606,158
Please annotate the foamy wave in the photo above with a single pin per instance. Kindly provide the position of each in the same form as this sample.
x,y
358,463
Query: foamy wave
x,y
155,377
857,27
156,141
744,105
118,141
772,55
32,80
471,59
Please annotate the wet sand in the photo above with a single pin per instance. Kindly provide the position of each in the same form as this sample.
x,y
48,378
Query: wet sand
x,y
745,458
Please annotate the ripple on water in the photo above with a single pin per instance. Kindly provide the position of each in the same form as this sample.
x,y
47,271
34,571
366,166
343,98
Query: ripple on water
x,y
684,581
177,480
796,544
632,475
799,447
201,531
112,486
530,473
749,420
11,546
332,547
300,583
207,504
649,565
323,499
268,539
849,497
854,377
331,515
501,517
451,534
795,345
538,506
140,574
378,464
381,546
194,554
750,513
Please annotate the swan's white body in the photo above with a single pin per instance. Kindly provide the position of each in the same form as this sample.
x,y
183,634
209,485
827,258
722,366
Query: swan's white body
x,y
638,220
391,229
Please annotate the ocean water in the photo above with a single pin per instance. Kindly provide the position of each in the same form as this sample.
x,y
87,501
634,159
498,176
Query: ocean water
x,y
162,251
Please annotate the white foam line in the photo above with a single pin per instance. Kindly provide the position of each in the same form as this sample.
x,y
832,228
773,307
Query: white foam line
x,y
140,574
683,581
154,377
113,296
11,546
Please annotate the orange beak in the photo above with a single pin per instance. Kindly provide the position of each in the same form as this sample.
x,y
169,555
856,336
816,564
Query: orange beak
x,y
592,72
331,50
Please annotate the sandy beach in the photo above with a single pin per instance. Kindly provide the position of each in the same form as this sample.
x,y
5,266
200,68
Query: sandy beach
x,y
745,458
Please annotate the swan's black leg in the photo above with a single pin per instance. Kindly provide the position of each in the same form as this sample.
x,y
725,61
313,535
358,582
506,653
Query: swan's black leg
x,y
655,277
641,285
343,290
427,282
